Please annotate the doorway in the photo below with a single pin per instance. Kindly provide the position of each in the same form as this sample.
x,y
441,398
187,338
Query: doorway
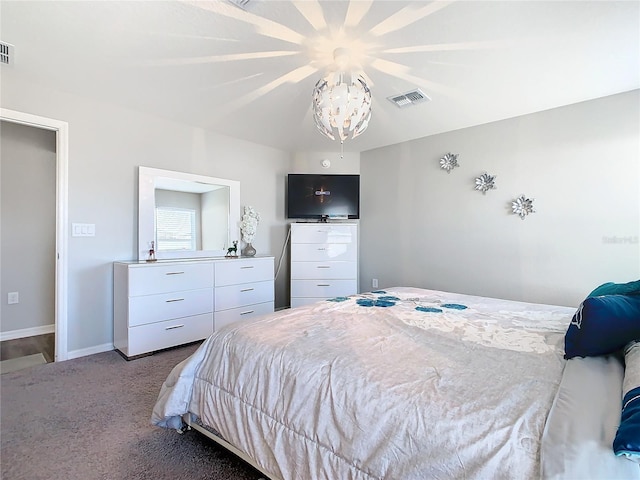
x,y
61,132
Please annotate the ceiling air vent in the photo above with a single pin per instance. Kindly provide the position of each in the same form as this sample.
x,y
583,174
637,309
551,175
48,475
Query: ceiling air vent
x,y
410,98
6,54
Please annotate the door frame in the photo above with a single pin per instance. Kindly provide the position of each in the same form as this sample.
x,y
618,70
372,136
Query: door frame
x,y
62,163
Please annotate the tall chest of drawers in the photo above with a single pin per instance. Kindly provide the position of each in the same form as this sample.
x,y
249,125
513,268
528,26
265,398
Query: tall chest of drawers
x,y
164,304
324,261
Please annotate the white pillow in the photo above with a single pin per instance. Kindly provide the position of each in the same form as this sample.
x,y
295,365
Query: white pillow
x,y
577,439
632,368
627,440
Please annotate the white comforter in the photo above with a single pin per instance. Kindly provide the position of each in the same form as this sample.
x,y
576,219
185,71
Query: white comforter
x,y
340,390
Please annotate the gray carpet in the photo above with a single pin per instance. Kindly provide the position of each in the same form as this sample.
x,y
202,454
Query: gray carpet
x,y
88,418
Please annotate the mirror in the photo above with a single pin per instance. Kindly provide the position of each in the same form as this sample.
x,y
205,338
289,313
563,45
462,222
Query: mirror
x,y
186,215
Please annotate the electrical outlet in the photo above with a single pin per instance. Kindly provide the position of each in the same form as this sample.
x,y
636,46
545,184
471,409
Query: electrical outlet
x,y
13,297
374,283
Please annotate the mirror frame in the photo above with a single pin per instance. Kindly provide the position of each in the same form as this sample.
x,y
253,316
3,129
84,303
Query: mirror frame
x,y
147,179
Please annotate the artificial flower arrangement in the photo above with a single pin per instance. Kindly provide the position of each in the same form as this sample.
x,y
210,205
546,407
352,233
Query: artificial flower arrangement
x,y
249,224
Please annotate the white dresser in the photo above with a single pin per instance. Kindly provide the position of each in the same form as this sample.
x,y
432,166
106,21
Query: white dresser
x,y
243,289
324,261
167,303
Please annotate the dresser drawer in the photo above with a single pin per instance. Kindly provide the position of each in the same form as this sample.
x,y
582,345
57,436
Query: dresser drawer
x,y
156,336
232,315
318,233
324,270
323,288
235,271
320,252
233,296
148,280
154,308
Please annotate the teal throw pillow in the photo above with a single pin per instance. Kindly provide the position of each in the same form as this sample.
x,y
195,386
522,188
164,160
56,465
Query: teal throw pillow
x,y
610,288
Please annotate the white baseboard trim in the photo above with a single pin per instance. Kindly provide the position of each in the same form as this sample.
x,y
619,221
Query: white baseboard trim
x,y
27,332
83,352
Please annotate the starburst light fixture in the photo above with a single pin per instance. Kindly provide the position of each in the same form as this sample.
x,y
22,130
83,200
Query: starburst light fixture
x,y
341,101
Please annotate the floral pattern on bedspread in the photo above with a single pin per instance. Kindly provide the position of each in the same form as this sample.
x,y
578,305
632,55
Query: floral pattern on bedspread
x,y
512,328
340,390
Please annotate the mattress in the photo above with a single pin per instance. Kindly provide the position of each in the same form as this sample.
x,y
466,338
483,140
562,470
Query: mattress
x,y
404,383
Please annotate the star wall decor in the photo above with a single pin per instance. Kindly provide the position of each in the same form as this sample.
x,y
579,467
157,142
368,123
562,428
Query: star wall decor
x,y
485,182
449,162
522,206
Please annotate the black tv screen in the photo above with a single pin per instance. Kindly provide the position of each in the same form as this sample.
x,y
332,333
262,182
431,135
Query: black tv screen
x,y
323,196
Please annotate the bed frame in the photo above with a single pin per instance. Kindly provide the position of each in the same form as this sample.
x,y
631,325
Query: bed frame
x,y
190,424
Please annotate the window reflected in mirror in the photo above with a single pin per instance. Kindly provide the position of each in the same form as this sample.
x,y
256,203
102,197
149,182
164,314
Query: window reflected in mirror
x,y
176,228
190,221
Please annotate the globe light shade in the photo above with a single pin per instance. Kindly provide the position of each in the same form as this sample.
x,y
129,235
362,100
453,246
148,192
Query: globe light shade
x,y
341,108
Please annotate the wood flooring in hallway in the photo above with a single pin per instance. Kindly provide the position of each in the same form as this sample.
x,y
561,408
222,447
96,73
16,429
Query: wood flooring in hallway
x,y
21,347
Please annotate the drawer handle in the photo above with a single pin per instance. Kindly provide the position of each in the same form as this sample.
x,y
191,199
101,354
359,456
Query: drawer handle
x,y
322,249
248,266
324,266
174,327
174,273
175,300
323,285
246,290
247,312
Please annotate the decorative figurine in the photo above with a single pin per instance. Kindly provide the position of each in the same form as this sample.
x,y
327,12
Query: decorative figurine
x,y
232,251
522,206
449,162
152,253
485,182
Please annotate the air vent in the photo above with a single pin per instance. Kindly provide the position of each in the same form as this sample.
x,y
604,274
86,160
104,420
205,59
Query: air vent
x,y
6,54
410,98
240,3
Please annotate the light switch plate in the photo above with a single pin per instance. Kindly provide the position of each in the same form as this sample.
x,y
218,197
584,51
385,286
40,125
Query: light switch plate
x,y
83,229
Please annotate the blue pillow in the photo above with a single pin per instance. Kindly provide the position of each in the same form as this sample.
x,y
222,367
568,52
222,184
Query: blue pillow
x,y
610,288
603,325
627,440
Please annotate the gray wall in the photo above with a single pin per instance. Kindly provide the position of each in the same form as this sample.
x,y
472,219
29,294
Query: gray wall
x,y
424,227
420,226
215,212
106,145
28,226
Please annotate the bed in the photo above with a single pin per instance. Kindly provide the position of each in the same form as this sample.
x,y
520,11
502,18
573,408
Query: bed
x,y
404,383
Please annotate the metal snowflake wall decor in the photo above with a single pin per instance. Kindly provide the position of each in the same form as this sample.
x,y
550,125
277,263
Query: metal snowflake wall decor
x,y
485,182
522,206
449,162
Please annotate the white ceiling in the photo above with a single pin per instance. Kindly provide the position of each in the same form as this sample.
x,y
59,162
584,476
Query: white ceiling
x,y
250,73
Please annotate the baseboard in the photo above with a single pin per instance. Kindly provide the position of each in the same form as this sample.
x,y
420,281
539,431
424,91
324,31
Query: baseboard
x,y
30,332
83,352
27,332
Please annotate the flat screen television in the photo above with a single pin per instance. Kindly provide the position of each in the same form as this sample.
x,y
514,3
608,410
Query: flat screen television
x,y
323,197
